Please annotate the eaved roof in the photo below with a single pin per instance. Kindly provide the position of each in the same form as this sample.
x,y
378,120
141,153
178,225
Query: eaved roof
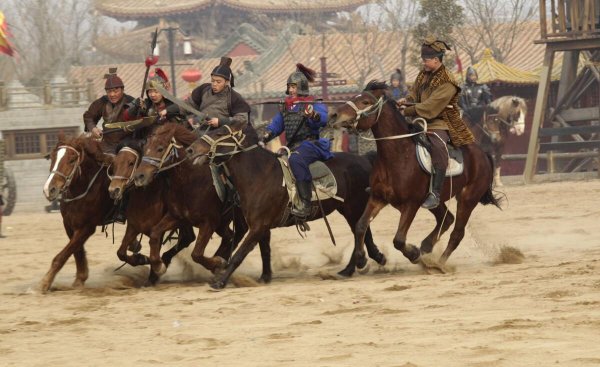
x,y
135,9
491,71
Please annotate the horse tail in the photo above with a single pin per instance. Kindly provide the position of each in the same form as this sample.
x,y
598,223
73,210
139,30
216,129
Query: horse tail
x,y
490,197
371,155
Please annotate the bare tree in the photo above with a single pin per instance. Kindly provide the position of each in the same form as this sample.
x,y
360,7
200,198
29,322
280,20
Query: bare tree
x,y
494,24
400,18
51,35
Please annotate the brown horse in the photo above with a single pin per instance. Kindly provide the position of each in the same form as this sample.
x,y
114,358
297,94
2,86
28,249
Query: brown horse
x,y
257,176
78,176
145,208
191,198
493,125
397,178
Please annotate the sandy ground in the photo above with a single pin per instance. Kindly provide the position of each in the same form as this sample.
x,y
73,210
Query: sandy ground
x,y
543,311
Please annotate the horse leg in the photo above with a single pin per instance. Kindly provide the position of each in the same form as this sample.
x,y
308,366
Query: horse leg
x,y
440,215
129,238
407,214
464,209
220,279
361,227
497,160
76,240
372,249
156,264
205,230
264,244
186,236
81,265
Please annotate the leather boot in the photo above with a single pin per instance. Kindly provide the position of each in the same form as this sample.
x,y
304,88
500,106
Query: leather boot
x,y
304,189
437,182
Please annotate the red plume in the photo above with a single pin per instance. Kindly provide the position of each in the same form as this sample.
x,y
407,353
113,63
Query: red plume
x,y
310,74
151,60
162,74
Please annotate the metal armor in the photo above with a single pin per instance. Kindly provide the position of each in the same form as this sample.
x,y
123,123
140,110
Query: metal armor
x,y
295,121
475,95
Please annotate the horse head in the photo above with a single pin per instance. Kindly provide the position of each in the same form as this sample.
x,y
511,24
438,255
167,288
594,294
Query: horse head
x,y
363,110
164,149
511,111
66,160
222,142
123,167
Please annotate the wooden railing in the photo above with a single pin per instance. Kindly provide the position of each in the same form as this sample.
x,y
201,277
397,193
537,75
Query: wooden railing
x,y
55,95
569,18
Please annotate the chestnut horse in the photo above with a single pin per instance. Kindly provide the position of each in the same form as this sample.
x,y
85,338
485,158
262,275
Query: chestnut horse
x,y
493,125
191,197
145,208
397,178
78,177
258,178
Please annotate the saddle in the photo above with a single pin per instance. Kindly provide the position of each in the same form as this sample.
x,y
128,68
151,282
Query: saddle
x,y
323,180
423,146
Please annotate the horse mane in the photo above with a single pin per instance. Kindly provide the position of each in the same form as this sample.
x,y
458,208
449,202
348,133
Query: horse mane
x,y
376,85
92,147
180,133
504,105
134,144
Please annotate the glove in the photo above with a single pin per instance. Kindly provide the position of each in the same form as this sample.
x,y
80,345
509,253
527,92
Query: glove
x,y
267,137
309,111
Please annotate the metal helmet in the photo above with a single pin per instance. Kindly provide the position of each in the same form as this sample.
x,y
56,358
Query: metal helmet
x,y
112,80
396,75
470,72
158,78
301,77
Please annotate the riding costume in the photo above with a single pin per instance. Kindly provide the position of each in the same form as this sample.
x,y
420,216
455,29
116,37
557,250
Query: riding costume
x,y
474,97
109,112
301,118
153,109
435,94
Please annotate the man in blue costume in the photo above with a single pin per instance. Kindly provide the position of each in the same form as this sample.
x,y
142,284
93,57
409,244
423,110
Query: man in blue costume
x,y
301,118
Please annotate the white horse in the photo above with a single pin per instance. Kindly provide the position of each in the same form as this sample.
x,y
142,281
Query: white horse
x,y
503,116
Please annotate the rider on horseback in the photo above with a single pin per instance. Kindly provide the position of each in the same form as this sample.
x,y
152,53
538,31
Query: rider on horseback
x,y
156,104
435,97
110,108
474,97
301,119
397,87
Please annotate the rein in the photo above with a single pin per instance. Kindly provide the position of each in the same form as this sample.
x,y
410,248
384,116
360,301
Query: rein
x,y
170,153
68,200
377,107
238,138
128,180
77,167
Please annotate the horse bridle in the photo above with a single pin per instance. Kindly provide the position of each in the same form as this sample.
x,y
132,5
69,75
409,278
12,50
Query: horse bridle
x,y
77,167
368,111
128,180
169,153
238,138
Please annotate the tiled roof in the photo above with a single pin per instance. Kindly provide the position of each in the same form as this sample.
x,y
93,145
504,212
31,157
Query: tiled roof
x,y
491,71
132,9
132,74
133,45
245,33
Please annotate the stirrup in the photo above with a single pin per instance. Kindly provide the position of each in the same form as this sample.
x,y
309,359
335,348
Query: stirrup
x,y
432,201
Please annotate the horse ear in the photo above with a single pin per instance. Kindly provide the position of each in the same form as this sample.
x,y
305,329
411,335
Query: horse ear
x,y
515,102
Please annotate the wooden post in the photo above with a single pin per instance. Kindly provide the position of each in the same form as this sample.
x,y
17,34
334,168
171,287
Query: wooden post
x,y
91,96
550,161
538,114
543,31
3,96
47,93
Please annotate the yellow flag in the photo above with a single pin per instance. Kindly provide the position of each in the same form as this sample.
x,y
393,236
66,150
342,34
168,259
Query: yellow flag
x,y
5,45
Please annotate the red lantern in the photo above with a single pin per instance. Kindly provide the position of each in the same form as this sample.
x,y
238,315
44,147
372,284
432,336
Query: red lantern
x,y
191,75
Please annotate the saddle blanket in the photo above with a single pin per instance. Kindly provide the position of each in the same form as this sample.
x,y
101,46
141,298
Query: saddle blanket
x,y
455,162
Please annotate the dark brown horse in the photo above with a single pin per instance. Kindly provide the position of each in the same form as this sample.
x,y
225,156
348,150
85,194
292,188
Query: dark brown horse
x,y
145,208
494,124
190,198
397,178
78,176
258,177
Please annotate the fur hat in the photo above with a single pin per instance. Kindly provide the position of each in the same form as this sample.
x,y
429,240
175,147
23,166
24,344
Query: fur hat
x,y
433,47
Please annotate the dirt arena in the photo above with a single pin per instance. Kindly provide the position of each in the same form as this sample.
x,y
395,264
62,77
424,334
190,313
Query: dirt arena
x,y
495,309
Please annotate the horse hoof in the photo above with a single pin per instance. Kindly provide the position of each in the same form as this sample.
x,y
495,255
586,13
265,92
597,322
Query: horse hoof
x,y
265,278
382,260
217,284
364,270
346,273
153,278
361,262
78,283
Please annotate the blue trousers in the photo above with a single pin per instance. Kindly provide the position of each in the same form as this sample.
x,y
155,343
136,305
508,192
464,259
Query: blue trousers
x,y
307,153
